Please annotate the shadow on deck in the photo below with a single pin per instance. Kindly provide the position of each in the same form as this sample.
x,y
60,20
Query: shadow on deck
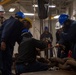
x,y
59,72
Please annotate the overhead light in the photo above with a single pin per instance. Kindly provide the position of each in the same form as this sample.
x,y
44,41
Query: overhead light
x,y
11,9
35,5
50,6
56,17
29,14
52,17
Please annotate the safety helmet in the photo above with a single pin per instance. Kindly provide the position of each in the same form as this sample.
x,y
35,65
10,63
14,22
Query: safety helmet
x,y
58,26
63,18
26,33
20,14
1,8
29,20
45,28
25,30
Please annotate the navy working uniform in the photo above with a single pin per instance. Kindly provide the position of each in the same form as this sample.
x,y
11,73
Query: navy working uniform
x,y
1,21
69,34
10,34
46,36
26,61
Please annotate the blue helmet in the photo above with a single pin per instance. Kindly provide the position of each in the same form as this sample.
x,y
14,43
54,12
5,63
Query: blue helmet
x,y
26,33
20,14
25,30
46,28
63,18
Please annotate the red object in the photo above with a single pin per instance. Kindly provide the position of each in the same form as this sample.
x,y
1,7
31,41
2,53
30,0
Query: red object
x,y
70,53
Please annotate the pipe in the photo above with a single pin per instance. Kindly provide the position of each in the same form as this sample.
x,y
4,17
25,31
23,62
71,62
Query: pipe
x,y
4,2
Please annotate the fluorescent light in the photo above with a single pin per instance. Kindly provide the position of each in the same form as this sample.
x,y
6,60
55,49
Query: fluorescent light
x,y
11,9
56,17
35,5
29,14
52,6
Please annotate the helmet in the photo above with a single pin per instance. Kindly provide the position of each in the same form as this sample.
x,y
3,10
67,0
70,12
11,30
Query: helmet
x,y
29,20
63,18
20,14
46,28
25,30
26,33
58,26
1,8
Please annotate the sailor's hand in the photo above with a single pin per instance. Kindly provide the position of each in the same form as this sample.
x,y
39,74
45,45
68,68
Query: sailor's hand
x,y
57,45
3,46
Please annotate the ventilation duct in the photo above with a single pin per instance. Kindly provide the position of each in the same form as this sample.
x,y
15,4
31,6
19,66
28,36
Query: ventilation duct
x,y
43,9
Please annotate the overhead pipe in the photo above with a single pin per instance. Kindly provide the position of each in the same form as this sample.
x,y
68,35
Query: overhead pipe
x,y
4,2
